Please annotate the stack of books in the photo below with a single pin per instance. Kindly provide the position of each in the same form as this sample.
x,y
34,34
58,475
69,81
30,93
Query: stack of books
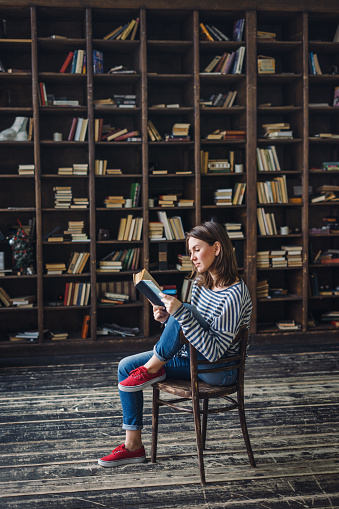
x,y
287,325
331,166
234,230
110,265
179,133
75,231
125,100
112,171
80,169
26,169
278,130
58,335
331,316
55,268
218,166
27,301
114,202
184,263
263,259
278,259
156,230
293,255
62,197
262,289
223,196
32,335
230,134
113,298
80,203
167,200
185,202
327,193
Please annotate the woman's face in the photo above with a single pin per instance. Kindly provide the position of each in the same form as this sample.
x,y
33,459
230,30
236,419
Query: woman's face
x,y
202,254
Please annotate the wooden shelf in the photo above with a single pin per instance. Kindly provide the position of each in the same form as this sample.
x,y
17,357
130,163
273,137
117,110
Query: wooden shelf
x,y
168,58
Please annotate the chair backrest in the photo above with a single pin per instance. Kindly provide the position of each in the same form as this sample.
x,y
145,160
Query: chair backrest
x,y
240,339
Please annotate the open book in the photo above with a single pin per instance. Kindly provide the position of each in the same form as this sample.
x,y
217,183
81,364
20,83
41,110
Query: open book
x,y
148,286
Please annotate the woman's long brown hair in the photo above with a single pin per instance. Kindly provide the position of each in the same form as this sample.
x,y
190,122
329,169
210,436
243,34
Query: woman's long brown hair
x,y
225,266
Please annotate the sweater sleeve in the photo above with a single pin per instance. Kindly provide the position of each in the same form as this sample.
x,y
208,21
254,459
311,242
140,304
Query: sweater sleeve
x,y
214,342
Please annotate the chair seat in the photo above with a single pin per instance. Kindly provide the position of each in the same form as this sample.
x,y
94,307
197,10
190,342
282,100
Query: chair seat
x,y
182,388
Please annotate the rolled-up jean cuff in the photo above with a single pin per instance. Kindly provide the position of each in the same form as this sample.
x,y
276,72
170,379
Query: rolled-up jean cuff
x,y
131,427
158,356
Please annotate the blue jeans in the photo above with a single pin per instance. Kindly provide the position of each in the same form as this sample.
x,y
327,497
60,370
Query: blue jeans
x,y
176,367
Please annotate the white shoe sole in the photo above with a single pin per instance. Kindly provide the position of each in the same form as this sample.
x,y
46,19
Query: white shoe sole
x,y
118,463
127,388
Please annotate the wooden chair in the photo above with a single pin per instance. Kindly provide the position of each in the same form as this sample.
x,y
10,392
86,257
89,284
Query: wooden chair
x,y
195,390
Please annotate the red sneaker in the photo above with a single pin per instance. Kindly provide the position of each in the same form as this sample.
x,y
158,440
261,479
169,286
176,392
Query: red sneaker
x,y
122,456
139,379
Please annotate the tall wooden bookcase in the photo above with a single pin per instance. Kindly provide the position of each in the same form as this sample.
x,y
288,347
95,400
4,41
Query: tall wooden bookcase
x,y
168,57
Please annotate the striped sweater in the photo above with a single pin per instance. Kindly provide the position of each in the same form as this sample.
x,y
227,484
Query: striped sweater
x,y
225,312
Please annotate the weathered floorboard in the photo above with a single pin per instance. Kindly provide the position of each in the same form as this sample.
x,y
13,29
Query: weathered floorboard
x,y
57,418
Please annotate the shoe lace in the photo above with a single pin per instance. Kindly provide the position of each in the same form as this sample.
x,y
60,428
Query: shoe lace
x,y
138,372
120,448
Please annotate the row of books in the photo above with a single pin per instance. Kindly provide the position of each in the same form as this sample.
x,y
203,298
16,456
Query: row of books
x,y
172,227
266,222
267,159
76,264
273,191
75,169
228,63
212,33
130,228
78,129
123,32
100,168
46,99
124,259
23,301
76,62
313,63
220,100
77,294
226,196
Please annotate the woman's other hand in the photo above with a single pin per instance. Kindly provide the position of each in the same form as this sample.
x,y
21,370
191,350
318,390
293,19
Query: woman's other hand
x,y
171,303
160,314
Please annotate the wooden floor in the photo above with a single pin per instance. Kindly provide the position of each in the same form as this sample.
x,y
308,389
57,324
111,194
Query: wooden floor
x,y
58,415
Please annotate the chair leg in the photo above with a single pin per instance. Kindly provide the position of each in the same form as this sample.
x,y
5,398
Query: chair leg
x,y
155,422
204,423
244,430
196,415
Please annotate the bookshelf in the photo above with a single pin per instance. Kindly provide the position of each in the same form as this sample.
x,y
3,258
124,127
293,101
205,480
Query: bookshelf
x,y
165,82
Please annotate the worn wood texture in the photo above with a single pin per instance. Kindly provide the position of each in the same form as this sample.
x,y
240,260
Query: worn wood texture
x,y
58,416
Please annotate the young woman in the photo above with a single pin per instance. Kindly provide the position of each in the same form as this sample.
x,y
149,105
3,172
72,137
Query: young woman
x,y
220,305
